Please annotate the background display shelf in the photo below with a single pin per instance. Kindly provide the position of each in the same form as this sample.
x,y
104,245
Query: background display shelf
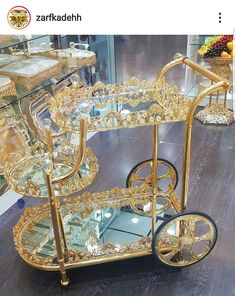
x,y
7,41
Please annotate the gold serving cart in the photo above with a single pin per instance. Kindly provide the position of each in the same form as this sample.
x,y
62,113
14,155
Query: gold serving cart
x,y
73,230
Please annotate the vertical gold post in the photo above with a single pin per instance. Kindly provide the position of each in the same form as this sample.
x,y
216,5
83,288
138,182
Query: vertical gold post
x,y
210,100
50,144
154,176
56,227
186,163
217,96
62,229
49,139
225,98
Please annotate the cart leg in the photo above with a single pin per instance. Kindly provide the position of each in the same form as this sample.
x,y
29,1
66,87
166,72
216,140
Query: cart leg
x,y
56,227
217,97
186,163
62,229
210,100
154,177
225,98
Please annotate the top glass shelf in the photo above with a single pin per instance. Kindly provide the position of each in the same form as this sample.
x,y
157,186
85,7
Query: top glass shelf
x,y
140,103
7,41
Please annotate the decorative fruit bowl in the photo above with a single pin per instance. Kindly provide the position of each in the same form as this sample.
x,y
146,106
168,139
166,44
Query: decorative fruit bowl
x,y
217,46
220,66
217,52
218,61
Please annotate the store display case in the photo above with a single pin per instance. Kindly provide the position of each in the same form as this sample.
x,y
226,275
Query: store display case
x,y
29,76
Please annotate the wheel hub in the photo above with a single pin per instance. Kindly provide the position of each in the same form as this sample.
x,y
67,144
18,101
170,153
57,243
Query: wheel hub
x,y
186,241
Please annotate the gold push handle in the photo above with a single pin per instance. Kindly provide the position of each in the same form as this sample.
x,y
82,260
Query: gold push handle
x,y
207,73
220,83
82,149
186,61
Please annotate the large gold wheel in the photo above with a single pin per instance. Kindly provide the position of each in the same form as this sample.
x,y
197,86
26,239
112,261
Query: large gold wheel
x,y
184,239
141,175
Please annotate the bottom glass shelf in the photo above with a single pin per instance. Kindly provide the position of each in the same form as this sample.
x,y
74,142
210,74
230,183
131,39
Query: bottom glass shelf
x,y
97,226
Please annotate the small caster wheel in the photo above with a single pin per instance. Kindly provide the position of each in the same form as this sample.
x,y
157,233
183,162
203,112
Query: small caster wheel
x,y
184,239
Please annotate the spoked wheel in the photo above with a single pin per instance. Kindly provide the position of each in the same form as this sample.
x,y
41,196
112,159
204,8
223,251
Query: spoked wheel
x,y
141,176
184,239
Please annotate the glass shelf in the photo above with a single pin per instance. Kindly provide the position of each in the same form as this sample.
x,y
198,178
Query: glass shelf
x,y
7,41
200,40
23,93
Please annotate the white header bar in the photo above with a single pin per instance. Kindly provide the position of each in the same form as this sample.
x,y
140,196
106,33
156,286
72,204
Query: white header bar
x,y
123,17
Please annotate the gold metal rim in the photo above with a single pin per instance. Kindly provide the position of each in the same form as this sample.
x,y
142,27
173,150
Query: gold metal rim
x,y
133,177
177,244
15,167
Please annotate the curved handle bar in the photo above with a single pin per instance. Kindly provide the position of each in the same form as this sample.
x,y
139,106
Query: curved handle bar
x,y
220,83
186,61
81,154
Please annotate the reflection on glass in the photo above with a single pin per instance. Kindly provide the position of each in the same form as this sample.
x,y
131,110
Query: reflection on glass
x,y
89,233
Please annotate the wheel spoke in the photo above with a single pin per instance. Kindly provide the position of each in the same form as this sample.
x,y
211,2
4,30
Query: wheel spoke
x,y
136,178
168,240
167,175
148,179
204,237
171,254
192,255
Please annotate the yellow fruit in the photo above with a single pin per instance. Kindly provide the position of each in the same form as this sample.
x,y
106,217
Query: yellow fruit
x,y
230,45
224,54
202,50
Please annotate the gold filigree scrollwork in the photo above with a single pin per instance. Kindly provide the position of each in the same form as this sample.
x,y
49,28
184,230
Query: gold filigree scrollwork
x,y
20,167
166,104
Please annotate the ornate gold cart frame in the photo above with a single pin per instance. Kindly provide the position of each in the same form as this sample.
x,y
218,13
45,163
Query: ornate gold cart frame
x,y
181,240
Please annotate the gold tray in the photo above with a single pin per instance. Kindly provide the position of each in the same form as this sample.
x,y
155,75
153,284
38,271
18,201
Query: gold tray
x,y
7,87
24,171
32,71
139,103
73,57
